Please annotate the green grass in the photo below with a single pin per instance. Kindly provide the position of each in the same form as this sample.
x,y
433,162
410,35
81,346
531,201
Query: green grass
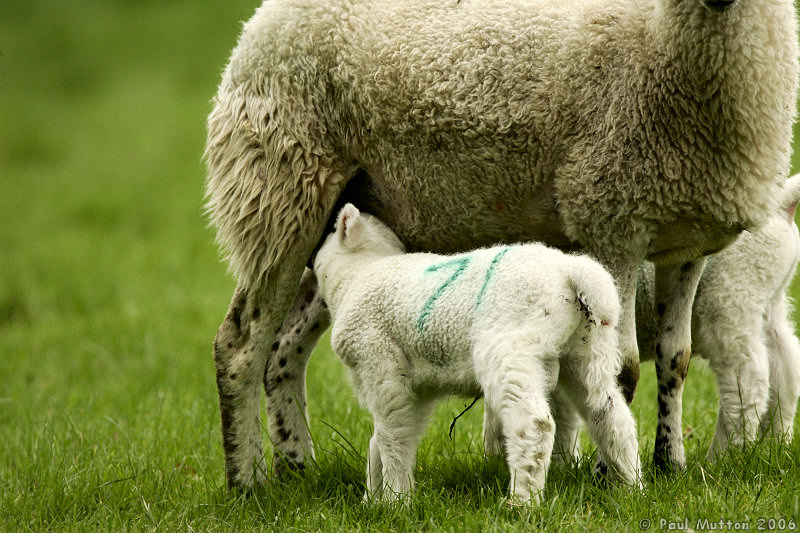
x,y
111,291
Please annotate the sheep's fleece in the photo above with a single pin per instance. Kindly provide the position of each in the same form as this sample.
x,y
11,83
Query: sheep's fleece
x,y
626,128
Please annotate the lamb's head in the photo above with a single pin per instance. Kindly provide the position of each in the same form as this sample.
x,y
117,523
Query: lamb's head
x,y
719,5
357,233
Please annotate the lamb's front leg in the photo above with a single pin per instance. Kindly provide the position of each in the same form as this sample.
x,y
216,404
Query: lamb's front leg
x,y
400,418
675,290
285,377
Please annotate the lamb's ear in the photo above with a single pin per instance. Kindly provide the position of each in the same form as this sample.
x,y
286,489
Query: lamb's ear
x,y
350,225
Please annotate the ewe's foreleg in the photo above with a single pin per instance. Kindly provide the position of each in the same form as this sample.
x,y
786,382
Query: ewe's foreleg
x,y
675,290
285,377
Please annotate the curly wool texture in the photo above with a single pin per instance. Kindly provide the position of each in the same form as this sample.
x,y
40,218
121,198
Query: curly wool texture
x,y
642,125
510,323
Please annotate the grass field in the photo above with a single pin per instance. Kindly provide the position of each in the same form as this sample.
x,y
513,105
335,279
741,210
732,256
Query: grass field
x,y
111,291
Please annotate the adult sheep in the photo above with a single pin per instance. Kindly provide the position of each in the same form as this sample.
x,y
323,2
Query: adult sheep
x,y
631,129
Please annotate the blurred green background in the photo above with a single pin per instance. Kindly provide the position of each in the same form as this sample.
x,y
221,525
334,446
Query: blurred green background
x,y
111,288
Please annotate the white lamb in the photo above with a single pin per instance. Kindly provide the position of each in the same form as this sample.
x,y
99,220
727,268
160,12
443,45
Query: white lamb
x,y
512,323
630,129
741,324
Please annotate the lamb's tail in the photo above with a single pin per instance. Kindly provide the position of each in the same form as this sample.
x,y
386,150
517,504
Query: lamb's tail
x,y
595,293
791,195
598,303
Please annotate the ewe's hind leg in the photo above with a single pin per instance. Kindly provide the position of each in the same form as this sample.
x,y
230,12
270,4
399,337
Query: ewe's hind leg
x,y
285,377
675,290
240,354
271,185
784,370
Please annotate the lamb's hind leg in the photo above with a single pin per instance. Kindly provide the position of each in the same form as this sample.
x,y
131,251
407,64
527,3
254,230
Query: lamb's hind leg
x,y
675,290
590,384
517,380
285,377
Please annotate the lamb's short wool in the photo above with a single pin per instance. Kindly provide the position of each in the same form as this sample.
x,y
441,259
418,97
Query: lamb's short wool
x,y
741,323
512,323
631,129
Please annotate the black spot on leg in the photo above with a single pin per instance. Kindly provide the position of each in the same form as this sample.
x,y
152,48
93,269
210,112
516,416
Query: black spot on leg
x,y
661,309
279,419
299,349
627,380
226,410
663,408
282,362
284,434
230,345
686,267
256,313
315,326
275,346
234,376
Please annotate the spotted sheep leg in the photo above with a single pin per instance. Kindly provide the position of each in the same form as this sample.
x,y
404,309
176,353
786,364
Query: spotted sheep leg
x,y
675,290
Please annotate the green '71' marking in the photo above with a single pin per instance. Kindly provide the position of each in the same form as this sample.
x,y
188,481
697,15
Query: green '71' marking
x,y
460,264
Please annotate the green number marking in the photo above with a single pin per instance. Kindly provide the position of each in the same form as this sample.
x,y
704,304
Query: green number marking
x,y
459,264
489,274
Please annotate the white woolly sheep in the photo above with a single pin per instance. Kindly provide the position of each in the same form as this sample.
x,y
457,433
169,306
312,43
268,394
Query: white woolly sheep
x,y
631,129
741,324
511,323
